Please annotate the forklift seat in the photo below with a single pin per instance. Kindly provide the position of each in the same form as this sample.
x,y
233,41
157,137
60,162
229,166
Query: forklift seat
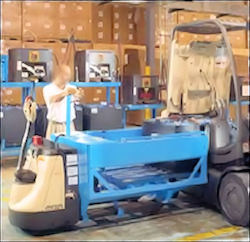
x,y
199,75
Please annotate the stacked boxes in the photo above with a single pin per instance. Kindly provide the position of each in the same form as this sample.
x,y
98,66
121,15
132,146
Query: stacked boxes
x,y
74,17
107,23
140,23
123,24
56,20
11,19
164,22
101,23
9,44
11,96
39,21
186,17
238,39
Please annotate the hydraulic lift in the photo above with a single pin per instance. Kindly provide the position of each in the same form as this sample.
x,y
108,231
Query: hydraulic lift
x,y
57,180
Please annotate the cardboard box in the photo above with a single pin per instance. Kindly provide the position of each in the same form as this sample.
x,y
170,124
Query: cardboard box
x,y
11,96
11,19
56,20
232,111
39,96
140,21
126,60
74,17
101,23
124,28
238,39
39,20
92,95
135,117
9,44
187,17
164,22
242,66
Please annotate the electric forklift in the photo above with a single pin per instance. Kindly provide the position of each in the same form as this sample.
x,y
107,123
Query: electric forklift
x,y
196,147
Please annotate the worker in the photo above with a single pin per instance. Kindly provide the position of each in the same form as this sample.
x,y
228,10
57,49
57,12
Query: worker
x,y
55,98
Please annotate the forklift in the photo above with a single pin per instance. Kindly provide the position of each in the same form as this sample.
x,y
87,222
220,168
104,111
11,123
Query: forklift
x,y
196,148
227,188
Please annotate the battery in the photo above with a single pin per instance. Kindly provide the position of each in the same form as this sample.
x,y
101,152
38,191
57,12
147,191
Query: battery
x,y
95,66
41,122
98,117
13,125
139,89
27,64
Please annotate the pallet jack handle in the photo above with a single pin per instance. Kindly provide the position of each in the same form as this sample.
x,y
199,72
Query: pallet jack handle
x,y
29,109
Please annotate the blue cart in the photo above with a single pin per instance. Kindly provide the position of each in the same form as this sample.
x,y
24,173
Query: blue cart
x,y
125,163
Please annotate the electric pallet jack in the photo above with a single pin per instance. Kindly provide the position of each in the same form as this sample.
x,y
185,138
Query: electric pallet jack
x,y
58,179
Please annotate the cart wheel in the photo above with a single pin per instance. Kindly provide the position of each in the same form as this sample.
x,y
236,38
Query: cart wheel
x,y
234,198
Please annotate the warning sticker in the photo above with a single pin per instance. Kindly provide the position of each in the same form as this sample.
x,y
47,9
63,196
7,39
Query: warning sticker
x,y
73,180
72,170
94,110
71,159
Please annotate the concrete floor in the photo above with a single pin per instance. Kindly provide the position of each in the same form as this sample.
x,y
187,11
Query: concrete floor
x,y
184,220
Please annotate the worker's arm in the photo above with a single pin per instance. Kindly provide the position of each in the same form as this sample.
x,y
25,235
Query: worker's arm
x,y
63,94
77,95
58,97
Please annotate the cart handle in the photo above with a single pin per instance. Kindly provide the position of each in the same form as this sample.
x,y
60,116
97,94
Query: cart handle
x,y
68,115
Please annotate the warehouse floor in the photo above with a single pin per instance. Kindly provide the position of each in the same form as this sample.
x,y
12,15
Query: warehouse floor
x,y
182,220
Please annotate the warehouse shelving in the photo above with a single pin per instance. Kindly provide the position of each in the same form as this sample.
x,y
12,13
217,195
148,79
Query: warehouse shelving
x,y
134,107
26,90
27,87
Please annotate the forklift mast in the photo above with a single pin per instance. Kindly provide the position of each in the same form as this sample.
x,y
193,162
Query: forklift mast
x,y
212,26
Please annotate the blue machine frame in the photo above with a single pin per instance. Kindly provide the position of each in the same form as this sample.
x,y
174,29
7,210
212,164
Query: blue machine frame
x,y
134,107
4,68
119,160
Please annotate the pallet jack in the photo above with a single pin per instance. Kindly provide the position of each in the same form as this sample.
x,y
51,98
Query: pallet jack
x,y
196,145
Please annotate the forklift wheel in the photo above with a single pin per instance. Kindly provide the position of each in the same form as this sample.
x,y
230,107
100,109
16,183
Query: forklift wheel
x,y
234,198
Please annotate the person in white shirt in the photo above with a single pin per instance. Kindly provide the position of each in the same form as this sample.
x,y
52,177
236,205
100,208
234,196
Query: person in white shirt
x,y
55,95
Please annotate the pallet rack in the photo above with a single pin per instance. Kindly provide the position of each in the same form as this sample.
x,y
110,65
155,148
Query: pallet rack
x,y
27,87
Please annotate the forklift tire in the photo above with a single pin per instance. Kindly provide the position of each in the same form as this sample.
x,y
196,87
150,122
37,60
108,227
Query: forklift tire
x,y
234,198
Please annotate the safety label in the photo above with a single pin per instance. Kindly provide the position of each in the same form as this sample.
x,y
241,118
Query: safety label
x,y
72,170
71,159
73,180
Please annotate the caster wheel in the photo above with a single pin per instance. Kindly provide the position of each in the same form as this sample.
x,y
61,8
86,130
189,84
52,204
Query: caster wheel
x,y
234,198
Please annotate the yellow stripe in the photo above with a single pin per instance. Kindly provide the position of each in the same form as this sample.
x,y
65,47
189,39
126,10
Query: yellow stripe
x,y
213,233
5,199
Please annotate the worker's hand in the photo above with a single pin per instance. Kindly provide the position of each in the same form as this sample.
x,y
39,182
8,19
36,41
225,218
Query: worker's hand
x,y
164,113
78,95
70,91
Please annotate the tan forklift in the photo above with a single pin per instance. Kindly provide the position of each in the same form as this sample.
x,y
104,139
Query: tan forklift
x,y
201,78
